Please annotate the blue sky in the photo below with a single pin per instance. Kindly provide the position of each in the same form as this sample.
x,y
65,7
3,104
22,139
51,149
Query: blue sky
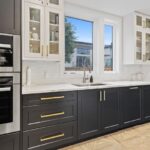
x,y
84,30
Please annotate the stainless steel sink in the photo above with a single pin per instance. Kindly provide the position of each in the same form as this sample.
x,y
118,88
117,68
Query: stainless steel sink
x,y
89,84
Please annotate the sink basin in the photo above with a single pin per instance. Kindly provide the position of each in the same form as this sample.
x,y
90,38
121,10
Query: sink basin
x,y
89,84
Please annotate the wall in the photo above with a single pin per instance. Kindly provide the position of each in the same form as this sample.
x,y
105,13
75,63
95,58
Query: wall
x,y
52,72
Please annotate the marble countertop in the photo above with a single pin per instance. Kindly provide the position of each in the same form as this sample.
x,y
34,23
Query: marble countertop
x,y
33,89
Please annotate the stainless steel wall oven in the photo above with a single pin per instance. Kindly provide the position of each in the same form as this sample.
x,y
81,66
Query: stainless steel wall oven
x,y
9,53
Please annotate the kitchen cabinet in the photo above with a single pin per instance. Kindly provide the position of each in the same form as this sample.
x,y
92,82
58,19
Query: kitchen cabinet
x,y
98,111
146,103
88,113
49,120
109,109
43,30
10,11
50,137
10,141
136,39
130,103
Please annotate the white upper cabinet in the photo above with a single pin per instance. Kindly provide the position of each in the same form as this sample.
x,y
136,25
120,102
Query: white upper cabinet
x,y
43,30
136,39
54,3
34,37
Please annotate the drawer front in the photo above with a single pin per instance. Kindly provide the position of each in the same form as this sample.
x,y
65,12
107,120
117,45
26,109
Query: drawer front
x,y
50,137
46,98
9,141
49,114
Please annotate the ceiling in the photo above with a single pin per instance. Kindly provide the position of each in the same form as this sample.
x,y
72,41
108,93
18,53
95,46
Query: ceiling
x,y
117,7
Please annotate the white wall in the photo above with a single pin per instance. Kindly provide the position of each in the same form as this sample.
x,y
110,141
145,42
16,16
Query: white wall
x,y
52,72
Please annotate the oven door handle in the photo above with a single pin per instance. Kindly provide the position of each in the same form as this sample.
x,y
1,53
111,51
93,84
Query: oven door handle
x,y
5,89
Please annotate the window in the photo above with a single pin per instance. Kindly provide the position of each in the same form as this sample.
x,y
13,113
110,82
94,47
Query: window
x,y
108,47
78,44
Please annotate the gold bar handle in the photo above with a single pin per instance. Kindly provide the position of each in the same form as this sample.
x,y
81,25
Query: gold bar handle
x,y
52,137
47,50
52,115
51,98
42,50
144,24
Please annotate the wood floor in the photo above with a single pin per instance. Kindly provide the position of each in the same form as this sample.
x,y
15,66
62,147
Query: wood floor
x,y
135,138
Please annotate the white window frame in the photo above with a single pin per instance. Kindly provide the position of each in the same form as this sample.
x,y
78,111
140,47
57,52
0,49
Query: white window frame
x,y
90,19
115,49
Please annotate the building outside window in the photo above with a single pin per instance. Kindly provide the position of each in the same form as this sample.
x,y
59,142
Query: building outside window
x,y
78,44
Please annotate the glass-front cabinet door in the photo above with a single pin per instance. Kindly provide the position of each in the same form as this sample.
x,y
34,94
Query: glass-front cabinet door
x,y
54,3
147,47
34,31
139,46
40,2
139,21
54,23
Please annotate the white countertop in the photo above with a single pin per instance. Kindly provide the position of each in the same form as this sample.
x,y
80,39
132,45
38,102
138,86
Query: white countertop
x,y
33,89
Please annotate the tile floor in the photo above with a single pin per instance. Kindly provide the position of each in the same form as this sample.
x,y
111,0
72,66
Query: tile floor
x,y
135,138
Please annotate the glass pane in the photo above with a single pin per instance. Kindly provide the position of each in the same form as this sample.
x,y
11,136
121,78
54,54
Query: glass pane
x,y
54,33
139,45
108,48
147,23
138,20
34,28
56,2
78,44
147,46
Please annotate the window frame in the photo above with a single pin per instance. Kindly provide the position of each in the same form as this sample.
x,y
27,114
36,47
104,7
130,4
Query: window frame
x,y
115,51
81,41
90,19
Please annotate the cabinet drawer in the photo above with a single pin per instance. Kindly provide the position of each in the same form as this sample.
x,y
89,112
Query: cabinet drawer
x,y
46,98
49,114
9,141
49,137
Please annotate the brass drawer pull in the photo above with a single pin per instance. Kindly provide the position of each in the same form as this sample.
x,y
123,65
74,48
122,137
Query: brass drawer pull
x,y
52,137
52,115
51,98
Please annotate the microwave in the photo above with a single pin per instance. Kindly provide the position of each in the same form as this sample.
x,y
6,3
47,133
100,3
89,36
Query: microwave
x,y
9,53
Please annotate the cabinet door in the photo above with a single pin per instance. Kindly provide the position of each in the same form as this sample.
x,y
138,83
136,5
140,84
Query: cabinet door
x,y
110,112
10,16
147,46
54,35
130,100
54,3
146,103
9,142
34,46
139,46
39,2
88,113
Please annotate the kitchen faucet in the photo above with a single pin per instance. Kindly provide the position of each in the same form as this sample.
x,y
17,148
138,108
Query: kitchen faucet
x,y
85,78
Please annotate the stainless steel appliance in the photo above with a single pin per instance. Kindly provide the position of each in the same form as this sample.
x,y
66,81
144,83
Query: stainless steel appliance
x,y
9,53
9,102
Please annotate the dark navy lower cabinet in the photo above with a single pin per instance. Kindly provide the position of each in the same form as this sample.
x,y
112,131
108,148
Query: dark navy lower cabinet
x,y
53,120
109,110
130,100
50,137
10,141
146,103
49,120
88,113
98,112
